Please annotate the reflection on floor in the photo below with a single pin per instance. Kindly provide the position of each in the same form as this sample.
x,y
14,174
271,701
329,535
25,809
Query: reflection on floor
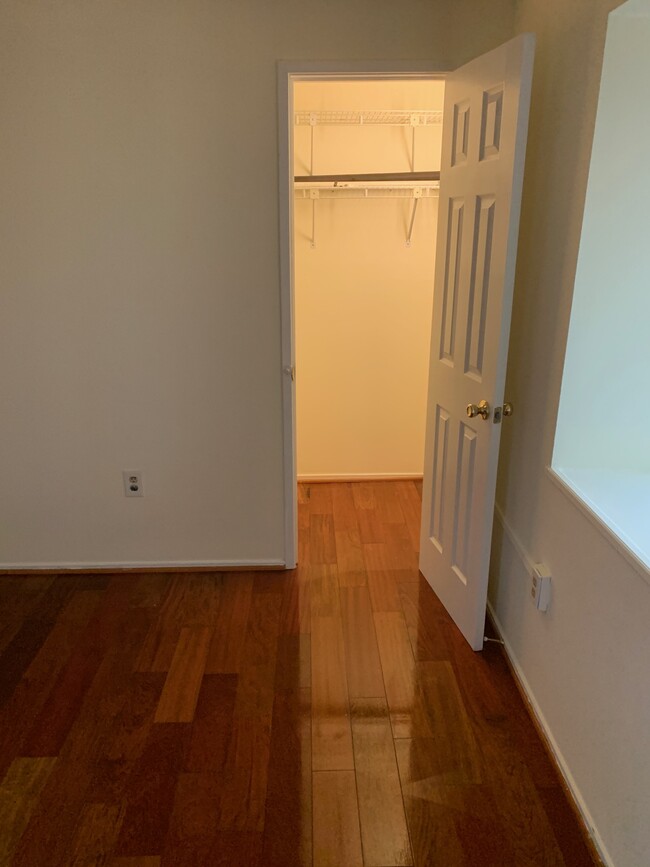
x,y
329,715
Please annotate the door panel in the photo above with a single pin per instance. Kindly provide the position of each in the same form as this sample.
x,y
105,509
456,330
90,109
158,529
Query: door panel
x,y
484,140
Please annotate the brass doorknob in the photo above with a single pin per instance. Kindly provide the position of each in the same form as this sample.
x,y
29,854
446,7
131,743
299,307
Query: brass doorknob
x,y
508,408
483,409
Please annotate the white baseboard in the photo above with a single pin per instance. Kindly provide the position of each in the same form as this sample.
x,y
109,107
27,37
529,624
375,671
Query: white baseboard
x,y
537,712
360,477
119,565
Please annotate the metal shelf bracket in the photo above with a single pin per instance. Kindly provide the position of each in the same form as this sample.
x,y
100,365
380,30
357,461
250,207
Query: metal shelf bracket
x,y
314,195
417,195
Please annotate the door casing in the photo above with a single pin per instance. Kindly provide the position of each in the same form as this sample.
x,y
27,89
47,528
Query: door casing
x,y
289,72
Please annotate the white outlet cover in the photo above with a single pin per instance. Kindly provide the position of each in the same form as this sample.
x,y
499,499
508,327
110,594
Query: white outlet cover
x,y
133,484
541,587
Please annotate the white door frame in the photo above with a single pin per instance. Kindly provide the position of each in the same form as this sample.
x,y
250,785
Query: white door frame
x,y
288,73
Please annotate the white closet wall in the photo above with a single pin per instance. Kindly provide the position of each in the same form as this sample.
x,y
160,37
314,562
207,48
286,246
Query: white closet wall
x,y
363,297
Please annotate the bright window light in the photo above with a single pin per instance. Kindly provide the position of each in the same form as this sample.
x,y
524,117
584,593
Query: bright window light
x,y
602,443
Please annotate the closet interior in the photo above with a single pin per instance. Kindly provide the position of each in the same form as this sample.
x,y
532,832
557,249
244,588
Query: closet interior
x,y
366,179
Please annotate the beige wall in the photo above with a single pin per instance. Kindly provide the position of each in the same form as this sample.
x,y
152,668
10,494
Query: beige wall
x,y
363,299
586,659
139,263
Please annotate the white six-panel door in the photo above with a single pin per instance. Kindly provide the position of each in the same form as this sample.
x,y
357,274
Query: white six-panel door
x,y
484,141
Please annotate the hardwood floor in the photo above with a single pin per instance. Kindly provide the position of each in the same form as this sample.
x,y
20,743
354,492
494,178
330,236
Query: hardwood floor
x,y
331,715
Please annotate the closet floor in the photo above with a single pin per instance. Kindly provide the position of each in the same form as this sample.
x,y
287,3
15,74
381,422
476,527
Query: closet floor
x,y
332,715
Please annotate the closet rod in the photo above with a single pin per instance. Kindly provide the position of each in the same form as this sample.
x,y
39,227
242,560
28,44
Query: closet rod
x,y
385,177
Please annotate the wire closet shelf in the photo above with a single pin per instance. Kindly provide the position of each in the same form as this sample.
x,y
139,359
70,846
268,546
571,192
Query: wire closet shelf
x,y
403,185
401,117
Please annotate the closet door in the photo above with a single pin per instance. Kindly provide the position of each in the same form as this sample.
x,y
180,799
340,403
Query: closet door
x,y
484,141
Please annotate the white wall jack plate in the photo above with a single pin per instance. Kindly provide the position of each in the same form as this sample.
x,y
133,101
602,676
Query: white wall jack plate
x,y
540,589
133,486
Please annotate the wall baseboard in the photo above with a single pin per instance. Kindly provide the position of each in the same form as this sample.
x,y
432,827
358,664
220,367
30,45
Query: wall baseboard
x,y
361,477
145,566
592,838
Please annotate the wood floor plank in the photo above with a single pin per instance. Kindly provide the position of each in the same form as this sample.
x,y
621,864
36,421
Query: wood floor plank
x,y
322,541
158,649
33,690
150,589
19,654
255,686
337,836
295,617
58,593
118,633
425,618
97,831
364,671
152,787
496,709
245,775
303,549
518,804
364,496
19,792
389,506
331,732
432,826
392,556
371,528
144,861
58,714
383,588
303,512
213,722
466,815
293,668
81,606
410,502
320,499
180,693
10,625
343,507
458,759
20,594
324,591
568,835
54,817
236,847
349,558
288,817
482,835
407,714
228,640
194,819
384,832
193,599
397,534
126,739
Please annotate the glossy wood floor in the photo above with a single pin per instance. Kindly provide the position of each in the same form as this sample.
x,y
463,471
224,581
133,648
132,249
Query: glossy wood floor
x,y
332,715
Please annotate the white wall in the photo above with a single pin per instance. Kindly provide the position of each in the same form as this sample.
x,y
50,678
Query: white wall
x,y
139,262
586,659
363,299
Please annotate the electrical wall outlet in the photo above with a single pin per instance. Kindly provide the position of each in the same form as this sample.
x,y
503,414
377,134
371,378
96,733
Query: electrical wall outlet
x,y
133,486
540,589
